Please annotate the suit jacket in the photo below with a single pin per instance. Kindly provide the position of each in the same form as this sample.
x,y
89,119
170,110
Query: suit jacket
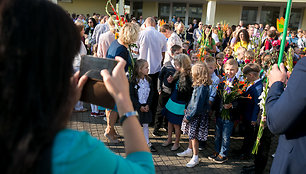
x,y
286,115
249,107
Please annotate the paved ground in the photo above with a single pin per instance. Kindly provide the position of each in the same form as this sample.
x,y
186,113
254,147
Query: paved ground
x,y
165,160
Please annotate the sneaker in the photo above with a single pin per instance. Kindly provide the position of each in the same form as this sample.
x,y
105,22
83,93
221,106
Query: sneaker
x,y
213,156
163,129
93,114
152,149
193,162
220,159
156,134
187,153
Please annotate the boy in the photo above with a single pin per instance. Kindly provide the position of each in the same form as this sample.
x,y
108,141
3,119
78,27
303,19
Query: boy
x,y
219,58
165,90
224,127
249,107
211,66
249,57
240,55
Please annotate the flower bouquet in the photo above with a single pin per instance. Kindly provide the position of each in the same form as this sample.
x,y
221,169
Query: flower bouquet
x,y
203,46
231,92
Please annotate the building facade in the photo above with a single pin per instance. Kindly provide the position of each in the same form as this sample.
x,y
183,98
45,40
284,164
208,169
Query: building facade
x,y
209,12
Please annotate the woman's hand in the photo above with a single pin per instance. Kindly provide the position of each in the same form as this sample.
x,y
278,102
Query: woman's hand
x,y
77,86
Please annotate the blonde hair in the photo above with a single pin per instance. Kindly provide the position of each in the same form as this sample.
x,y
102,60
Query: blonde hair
x,y
232,62
129,33
79,24
184,62
178,28
200,75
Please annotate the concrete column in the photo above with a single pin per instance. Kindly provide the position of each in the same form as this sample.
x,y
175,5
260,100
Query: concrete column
x,y
131,7
121,7
171,11
258,14
187,14
211,12
281,12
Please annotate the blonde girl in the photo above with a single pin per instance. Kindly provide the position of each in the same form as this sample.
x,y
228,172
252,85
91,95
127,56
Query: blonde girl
x,y
195,120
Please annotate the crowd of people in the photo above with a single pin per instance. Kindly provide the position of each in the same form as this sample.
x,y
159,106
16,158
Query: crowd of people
x,y
176,78
176,87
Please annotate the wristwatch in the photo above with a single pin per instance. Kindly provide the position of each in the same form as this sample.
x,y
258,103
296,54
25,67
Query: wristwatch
x,y
126,115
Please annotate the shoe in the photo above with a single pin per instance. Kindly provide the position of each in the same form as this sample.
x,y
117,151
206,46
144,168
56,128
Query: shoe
x,y
152,148
187,153
156,134
174,147
93,114
165,144
220,159
111,139
213,156
163,129
101,114
193,162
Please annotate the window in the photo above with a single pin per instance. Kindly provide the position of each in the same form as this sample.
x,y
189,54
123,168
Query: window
x,y
179,10
249,15
137,9
195,12
269,15
164,11
295,18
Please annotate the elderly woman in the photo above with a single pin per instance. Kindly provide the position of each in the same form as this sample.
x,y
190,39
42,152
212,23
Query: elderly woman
x,y
128,34
34,138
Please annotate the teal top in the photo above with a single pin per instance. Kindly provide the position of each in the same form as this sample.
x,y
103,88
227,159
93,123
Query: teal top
x,y
78,152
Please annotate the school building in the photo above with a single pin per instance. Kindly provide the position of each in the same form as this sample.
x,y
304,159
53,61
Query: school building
x,y
208,11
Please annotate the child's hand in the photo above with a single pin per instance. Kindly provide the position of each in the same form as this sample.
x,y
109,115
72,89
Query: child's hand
x,y
170,79
228,106
147,108
185,120
143,109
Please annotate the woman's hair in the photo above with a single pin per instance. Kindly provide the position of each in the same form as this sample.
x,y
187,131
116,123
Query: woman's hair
x,y
246,36
200,75
36,95
138,65
185,63
129,33
79,24
209,36
225,33
180,25
93,21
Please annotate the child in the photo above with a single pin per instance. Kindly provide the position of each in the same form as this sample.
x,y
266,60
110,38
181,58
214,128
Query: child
x,y
249,57
193,57
240,55
165,89
249,107
141,95
219,70
195,121
224,127
228,51
174,109
211,66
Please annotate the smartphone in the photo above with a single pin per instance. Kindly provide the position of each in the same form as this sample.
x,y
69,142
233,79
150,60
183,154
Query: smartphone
x,y
94,91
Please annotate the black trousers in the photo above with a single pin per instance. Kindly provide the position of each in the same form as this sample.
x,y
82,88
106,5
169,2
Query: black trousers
x,y
249,138
154,78
160,120
262,156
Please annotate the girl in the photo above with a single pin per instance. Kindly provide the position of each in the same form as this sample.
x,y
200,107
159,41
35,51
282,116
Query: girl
x,y
195,120
141,95
174,109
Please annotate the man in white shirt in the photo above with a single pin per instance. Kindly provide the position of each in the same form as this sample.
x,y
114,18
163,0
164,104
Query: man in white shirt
x,y
173,39
152,47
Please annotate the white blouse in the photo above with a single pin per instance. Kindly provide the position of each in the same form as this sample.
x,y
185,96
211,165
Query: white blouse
x,y
143,91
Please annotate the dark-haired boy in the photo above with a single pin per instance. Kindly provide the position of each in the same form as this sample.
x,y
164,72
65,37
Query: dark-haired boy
x,y
249,107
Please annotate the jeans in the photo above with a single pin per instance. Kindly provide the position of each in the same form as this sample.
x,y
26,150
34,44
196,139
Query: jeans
x,y
222,138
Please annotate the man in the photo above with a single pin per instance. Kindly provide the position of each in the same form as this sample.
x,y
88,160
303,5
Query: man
x,y
99,29
173,39
197,33
286,116
195,24
140,21
152,47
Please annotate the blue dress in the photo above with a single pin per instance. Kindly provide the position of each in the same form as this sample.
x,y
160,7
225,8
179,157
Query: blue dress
x,y
174,109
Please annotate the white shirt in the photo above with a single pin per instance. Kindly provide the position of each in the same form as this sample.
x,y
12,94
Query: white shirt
x,y
151,44
143,91
174,39
77,58
215,37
